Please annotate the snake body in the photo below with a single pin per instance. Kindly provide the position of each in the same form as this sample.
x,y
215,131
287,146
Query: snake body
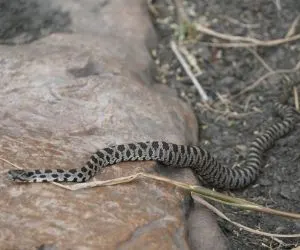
x,y
203,164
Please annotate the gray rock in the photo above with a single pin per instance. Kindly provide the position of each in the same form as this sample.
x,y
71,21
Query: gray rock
x,y
66,95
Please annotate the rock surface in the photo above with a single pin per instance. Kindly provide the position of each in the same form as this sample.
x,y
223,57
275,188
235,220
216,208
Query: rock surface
x,y
67,94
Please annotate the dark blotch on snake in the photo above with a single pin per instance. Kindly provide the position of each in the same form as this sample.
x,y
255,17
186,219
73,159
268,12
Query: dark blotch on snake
x,y
140,152
161,153
94,159
29,174
121,148
150,152
117,155
90,165
84,169
143,145
132,146
155,145
175,148
165,146
73,171
108,150
100,154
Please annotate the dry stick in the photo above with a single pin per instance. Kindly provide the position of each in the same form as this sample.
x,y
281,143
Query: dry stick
x,y
259,58
181,15
251,230
237,22
208,193
228,45
182,18
278,5
245,40
185,66
292,29
296,98
259,80
191,60
152,8
229,114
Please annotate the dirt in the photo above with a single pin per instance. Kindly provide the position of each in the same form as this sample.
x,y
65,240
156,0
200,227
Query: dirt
x,y
233,118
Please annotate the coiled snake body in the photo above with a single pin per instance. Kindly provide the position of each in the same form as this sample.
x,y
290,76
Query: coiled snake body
x,y
203,164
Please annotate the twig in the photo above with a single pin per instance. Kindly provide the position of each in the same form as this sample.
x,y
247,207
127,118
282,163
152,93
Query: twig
x,y
224,113
92,184
237,22
185,66
292,29
152,8
228,45
192,60
251,230
296,98
278,5
10,163
259,80
208,193
245,41
259,58
181,15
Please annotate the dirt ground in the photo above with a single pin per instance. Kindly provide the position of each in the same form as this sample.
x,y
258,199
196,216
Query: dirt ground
x,y
230,123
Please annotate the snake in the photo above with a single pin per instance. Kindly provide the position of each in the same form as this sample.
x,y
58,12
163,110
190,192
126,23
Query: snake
x,y
204,165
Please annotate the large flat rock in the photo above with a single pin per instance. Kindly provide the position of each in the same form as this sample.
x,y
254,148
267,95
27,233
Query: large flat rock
x,y
66,95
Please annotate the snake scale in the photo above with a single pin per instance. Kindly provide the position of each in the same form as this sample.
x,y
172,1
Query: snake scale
x,y
203,164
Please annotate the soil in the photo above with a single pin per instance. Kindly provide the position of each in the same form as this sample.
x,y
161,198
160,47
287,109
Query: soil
x,y
234,115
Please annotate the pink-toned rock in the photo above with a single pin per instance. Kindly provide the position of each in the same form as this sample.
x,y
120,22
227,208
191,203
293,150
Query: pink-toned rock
x,y
66,95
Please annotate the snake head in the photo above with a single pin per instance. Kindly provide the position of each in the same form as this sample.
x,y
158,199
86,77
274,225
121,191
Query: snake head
x,y
19,175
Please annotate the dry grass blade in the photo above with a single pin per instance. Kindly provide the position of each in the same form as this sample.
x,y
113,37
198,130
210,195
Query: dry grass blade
x,y
208,193
293,27
261,60
152,8
251,230
248,41
188,71
237,22
262,78
92,184
296,98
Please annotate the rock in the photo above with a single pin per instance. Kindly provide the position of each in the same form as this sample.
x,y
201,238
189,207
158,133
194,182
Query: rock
x,y
68,94
204,232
